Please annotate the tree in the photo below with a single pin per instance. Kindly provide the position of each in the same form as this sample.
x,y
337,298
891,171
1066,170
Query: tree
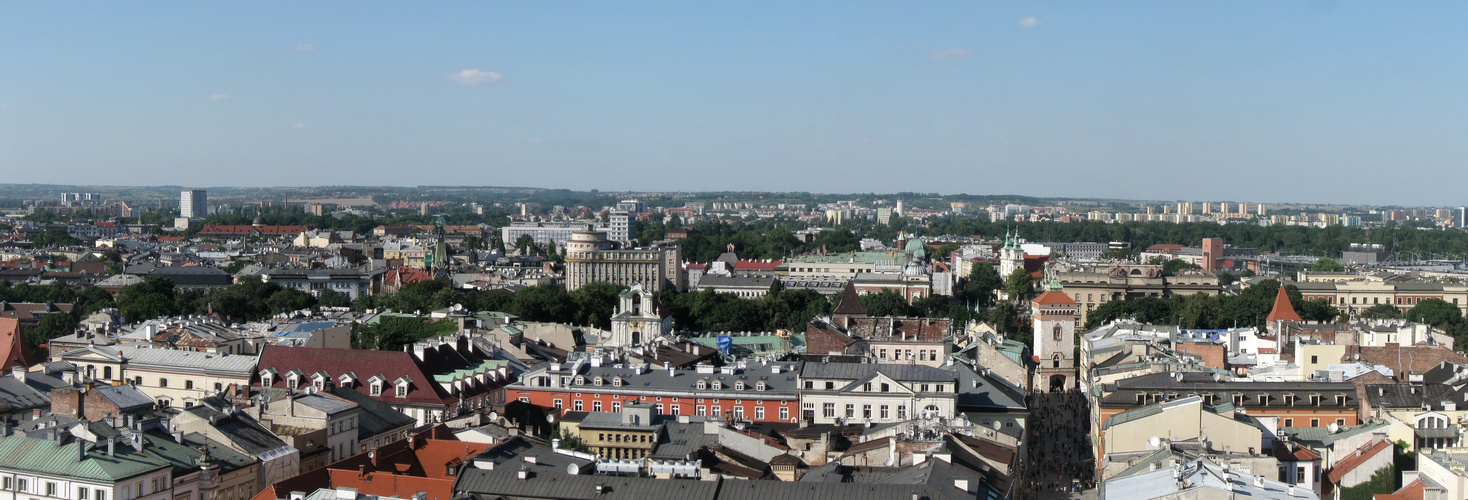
x,y
333,298
1381,311
887,303
152,298
1007,321
1020,287
982,284
289,299
1171,267
1436,312
52,325
595,303
525,244
1326,265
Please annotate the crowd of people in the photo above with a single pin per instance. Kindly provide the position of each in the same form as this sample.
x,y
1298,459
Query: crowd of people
x,y
1058,449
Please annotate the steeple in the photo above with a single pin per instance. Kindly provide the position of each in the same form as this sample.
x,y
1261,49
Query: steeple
x,y
1282,308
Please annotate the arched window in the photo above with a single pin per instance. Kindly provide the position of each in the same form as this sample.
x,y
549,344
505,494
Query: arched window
x,y
1058,331
702,385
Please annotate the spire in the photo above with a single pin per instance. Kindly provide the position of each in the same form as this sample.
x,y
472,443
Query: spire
x,y
1282,308
850,303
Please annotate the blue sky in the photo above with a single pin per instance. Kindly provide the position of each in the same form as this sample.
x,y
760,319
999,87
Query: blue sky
x,y
1346,102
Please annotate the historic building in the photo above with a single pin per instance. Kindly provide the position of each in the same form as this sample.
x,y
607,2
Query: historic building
x,y
591,257
640,318
1053,315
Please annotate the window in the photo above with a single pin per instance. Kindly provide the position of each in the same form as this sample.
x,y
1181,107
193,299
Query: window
x,y
51,488
830,385
556,403
596,381
700,410
107,373
1340,421
901,412
739,412
883,415
784,413
218,387
376,389
6,483
101,494
886,388
759,386
704,385
658,409
939,388
739,386
867,387
924,387
402,390
850,411
882,354
828,410
759,413
1289,422
1314,359
810,385
595,405
677,409
616,406
1314,422
617,382
81,493
20,485
138,380
718,385
576,405
866,412
163,382
189,384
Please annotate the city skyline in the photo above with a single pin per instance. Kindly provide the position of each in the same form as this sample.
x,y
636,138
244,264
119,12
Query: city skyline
x,y
1252,102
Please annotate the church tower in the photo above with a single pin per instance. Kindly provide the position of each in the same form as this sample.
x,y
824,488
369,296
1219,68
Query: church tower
x,y
1011,256
1053,315
640,318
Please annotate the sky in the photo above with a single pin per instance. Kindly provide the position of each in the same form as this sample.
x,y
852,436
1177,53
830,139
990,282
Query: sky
x,y
1279,101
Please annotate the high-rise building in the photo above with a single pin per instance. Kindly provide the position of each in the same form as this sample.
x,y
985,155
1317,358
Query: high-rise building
x,y
621,227
193,203
1462,216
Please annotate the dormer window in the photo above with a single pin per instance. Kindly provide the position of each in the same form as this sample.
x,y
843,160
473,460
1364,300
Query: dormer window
x,y
718,385
596,382
702,385
376,389
347,380
374,385
759,386
401,385
293,382
267,377
580,380
739,386
616,381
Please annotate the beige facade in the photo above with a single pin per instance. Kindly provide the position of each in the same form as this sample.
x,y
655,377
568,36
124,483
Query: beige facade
x,y
1181,420
171,377
1126,282
590,257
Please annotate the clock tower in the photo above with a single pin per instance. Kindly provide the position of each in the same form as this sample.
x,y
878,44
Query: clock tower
x,y
1053,315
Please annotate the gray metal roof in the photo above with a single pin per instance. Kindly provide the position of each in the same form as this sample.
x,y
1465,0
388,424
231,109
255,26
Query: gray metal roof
x,y
329,404
187,361
124,396
375,416
899,372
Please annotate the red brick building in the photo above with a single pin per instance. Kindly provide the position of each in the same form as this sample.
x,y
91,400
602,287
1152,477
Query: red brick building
x,y
761,393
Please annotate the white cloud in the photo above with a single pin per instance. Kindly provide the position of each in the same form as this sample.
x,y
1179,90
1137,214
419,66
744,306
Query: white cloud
x,y
1029,22
475,77
299,126
220,97
306,47
950,53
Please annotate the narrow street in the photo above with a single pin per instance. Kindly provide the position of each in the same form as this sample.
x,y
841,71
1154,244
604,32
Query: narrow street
x,y
1059,452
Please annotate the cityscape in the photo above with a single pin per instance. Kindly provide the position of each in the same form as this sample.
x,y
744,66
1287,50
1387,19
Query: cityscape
x,y
758,250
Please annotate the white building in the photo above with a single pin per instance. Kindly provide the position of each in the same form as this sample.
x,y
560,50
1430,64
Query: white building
x,y
193,204
853,393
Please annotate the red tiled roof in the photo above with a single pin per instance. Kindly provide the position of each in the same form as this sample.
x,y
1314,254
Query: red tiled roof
x,y
1356,459
397,469
1165,248
1053,297
406,275
1282,308
13,348
1288,453
698,266
364,364
1414,490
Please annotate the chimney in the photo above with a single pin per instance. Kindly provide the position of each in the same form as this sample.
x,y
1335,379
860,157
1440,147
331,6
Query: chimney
x,y
111,445
19,372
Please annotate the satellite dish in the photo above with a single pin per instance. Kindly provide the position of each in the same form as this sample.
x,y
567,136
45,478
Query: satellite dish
x,y
1334,427
494,416
572,469
1154,442
550,418
998,426
888,462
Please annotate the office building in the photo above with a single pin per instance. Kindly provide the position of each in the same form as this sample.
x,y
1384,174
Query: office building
x,y
591,257
621,227
193,203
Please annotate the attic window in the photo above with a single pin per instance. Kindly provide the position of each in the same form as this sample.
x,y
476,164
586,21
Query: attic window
x,y
266,379
376,389
718,385
759,386
402,388
596,382
580,380
616,381
739,386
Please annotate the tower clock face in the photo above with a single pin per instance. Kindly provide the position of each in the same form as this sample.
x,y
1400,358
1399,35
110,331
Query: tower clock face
x,y
1058,331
